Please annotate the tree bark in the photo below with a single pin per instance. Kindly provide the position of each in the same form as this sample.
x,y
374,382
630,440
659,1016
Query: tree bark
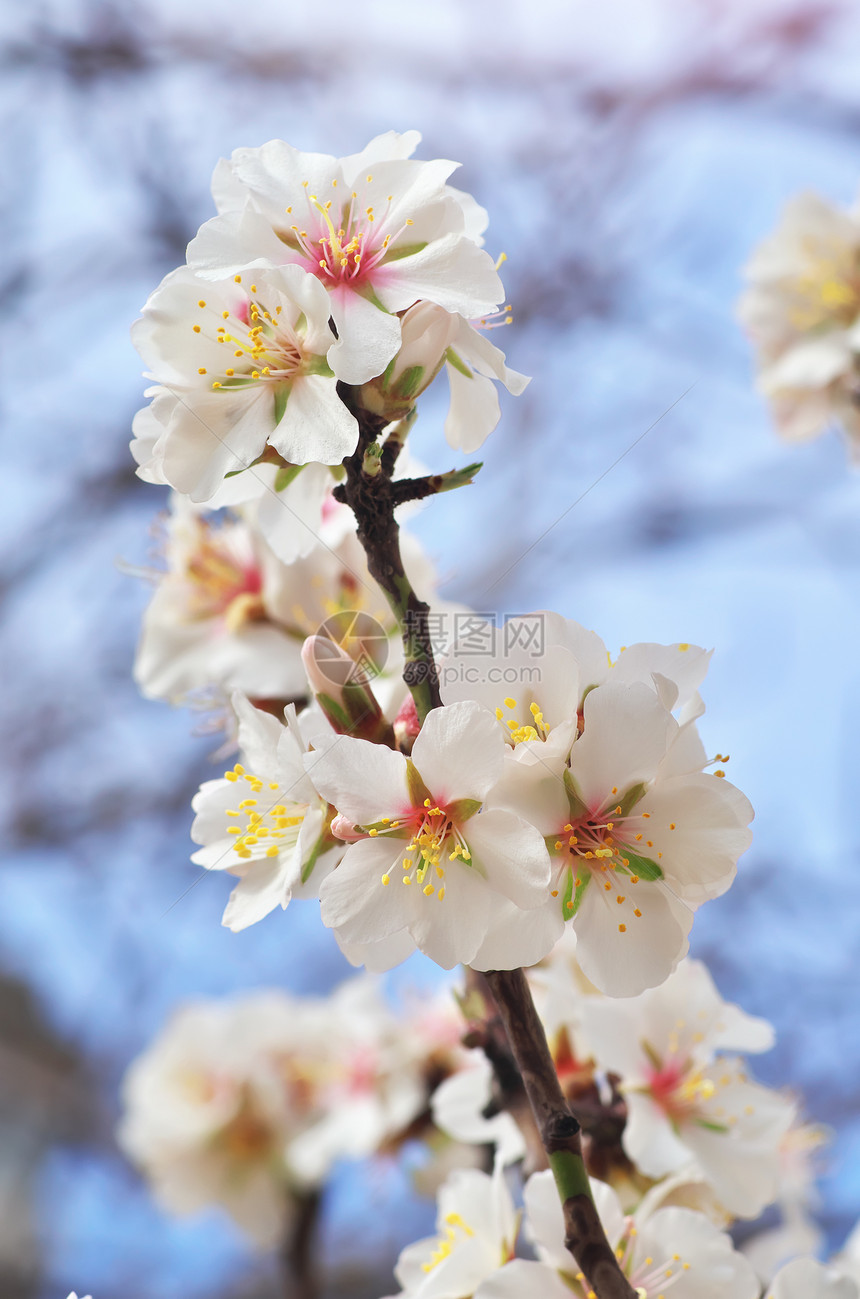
x,y
560,1134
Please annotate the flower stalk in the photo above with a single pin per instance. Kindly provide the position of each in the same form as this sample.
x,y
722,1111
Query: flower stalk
x,y
373,498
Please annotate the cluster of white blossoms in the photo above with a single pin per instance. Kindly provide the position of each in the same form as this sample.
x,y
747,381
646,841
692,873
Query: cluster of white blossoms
x,y
366,270
582,801
229,614
661,1250
801,309
499,798
248,1102
699,1145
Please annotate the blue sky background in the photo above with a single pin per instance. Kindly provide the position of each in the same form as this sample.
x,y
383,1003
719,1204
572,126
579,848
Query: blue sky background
x,y
630,154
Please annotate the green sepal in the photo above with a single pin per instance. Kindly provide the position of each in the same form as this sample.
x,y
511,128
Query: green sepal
x,y
584,881
573,896
644,867
405,250
453,359
409,382
578,808
384,830
629,799
711,1127
318,365
286,475
336,715
282,393
419,794
463,808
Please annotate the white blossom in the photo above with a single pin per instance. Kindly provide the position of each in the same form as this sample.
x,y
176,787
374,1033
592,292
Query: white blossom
x,y
673,1249
215,616
248,1102
639,835
240,365
376,230
806,1278
477,1228
432,338
427,867
687,1101
801,310
208,1111
535,671
458,1109
264,823
797,1232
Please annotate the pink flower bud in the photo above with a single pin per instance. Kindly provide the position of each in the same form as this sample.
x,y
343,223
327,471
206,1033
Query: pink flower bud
x,y
342,690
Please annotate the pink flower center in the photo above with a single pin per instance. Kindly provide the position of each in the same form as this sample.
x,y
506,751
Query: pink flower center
x,y
592,848
343,243
223,584
679,1088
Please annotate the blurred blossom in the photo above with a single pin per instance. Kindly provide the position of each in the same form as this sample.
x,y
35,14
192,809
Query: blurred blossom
x,y
802,311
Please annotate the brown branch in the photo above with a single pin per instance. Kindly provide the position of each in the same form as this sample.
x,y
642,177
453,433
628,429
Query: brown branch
x,y
300,1278
373,500
560,1134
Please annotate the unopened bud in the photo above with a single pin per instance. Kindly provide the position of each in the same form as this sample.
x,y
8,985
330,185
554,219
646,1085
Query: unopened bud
x,y
342,689
407,725
426,333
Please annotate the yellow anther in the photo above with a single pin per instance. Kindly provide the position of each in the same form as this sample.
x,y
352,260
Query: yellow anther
x,y
428,890
510,703
386,879
196,328
201,303
622,929
202,369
